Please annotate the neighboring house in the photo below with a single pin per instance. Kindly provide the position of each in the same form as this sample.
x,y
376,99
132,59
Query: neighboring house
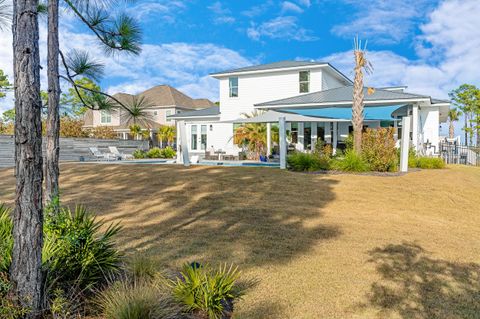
x,y
316,100
165,101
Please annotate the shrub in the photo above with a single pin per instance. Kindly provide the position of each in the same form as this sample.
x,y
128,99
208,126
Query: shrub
x,y
103,132
430,163
139,154
6,238
137,300
307,162
168,152
8,307
77,253
351,162
378,149
349,142
70,127
207,293
154,153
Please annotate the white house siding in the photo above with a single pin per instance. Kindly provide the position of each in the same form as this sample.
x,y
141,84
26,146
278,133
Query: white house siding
x,y
219,137
330,82
258,88
429,126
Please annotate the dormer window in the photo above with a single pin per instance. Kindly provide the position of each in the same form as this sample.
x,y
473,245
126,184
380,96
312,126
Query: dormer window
x,y
304,81
233,86
105,117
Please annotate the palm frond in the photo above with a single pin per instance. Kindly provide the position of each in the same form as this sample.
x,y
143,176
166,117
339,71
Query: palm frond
x,y
5,14
137,112
80,63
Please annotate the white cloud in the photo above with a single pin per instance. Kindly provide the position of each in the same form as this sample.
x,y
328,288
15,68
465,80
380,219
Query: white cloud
x,y
258,9
384,21
280,28
288,6
305,3
222,15
167,9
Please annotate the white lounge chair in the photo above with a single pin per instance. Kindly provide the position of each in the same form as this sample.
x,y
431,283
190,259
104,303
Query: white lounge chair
x,y
101,156
194,159
114,150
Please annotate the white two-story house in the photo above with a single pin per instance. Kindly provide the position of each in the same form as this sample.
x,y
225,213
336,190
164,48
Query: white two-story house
x,y
316,100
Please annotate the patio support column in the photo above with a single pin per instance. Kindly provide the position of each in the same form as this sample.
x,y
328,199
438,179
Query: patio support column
x,y
314,134
269,139
184,145
405,144
334,138
301,135
282,142
414,124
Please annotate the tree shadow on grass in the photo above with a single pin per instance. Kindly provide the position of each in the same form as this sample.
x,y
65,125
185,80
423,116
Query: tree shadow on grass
x,y
417,286
248,216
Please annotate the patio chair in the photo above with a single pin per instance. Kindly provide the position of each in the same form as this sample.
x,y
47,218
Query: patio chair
x,y
101,156
114,150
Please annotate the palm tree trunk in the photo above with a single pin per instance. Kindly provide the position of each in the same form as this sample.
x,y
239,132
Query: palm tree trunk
x,y
357,107
451,130
25,270
52,171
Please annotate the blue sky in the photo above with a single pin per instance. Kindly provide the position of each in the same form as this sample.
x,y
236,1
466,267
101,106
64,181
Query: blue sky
x,y
431,46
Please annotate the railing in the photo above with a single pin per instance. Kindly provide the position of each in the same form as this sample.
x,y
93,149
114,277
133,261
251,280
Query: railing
x,y
455,153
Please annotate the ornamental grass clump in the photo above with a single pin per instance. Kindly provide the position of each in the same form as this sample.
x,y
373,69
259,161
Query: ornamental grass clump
x,y
351,162
378,149
430,163
304,162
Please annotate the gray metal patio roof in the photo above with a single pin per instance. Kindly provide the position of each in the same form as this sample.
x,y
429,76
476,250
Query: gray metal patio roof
x,y
342,96
208,112
273,116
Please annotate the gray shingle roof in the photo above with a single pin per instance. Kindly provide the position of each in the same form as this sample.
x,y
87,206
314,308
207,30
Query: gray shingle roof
x,y
342,94
271,66
211,111
438,101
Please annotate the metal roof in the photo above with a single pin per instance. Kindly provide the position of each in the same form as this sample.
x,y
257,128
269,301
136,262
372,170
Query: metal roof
x,y
271,66
273,116
211,111
342,95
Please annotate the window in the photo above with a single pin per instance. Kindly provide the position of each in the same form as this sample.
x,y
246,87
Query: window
x,y
194,137
105,117
155,113
169,112
294,133
233,86
203,137
304,80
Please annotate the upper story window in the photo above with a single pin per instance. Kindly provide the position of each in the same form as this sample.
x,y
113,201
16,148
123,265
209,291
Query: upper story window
x,y
105,117
168,113
304,81
233,86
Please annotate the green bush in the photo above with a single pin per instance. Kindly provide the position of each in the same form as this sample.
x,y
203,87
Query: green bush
x,y
138,154
8,307
168,152
137,300
141,267
76,251
207,293
154,152
351,162
430,163
6,238
378,149
302,162
349,142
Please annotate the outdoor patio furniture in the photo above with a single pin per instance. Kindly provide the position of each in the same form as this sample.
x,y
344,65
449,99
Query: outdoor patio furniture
x,y
209,156
220,153
114,150
101,156
194,159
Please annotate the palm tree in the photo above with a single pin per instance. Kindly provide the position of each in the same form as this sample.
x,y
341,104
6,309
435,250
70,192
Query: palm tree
x,y
137,111
453,116
361,63
166,133
252,136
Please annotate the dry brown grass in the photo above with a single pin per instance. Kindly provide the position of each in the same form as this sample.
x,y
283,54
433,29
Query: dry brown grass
x,y
323,246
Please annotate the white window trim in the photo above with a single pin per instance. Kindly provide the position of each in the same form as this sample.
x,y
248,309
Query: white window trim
x,y
300,82
107,115
231,87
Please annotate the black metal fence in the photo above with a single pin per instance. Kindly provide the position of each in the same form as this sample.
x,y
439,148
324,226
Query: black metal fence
x,y
455,153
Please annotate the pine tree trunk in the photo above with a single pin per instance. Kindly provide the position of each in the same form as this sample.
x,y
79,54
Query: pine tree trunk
x,y
466,131
357,107
451,130
52,171
25,270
